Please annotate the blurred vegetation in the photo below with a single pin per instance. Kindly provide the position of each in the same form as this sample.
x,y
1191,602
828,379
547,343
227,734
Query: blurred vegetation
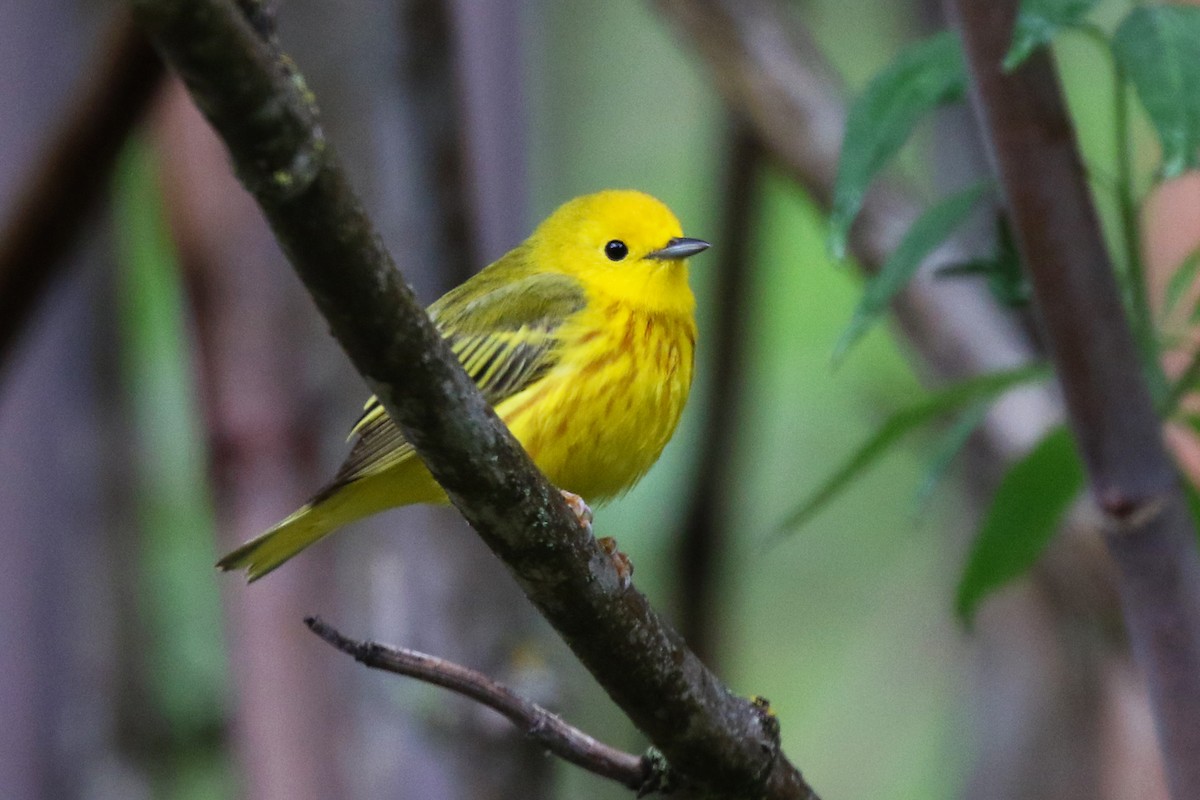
x,y
176,596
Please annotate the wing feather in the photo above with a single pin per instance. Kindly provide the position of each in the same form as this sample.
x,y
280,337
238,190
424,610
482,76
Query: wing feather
x,y
506,339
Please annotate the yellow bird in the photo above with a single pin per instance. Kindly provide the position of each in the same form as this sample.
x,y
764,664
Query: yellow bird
x,y
582,338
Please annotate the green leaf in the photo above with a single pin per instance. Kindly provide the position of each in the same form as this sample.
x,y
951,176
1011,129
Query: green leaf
x,y
925,75
1006,280
1158,48
962,269
948,448
1039,21
929,231
1182,279
174,542
1022,519
1193,503
1192,422
1185,384
952,398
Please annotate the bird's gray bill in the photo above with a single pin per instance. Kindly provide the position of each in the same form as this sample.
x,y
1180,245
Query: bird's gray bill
x,y
680,248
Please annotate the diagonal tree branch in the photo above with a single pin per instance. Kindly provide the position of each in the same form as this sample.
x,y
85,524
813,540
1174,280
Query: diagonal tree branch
x,y
1149,530
547,729
262,109
65,186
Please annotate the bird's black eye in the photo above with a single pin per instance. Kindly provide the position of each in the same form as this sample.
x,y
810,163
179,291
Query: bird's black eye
x,y
616,250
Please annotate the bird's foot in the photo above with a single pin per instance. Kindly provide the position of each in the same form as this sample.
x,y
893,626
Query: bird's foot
x,y
581,510
621,561
583,514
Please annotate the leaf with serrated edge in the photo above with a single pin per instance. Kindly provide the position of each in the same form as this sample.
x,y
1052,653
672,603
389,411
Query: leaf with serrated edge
x,y
1022,518
904,421
1158,48
929,231
925,75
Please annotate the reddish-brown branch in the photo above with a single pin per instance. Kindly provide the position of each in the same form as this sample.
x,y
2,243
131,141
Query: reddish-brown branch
x,y
55,202
1149,529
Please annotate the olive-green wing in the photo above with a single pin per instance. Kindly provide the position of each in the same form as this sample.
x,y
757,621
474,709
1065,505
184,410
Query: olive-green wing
x,y
504,330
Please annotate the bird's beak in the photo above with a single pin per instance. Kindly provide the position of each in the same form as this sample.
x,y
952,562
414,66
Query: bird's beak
x,y
679,248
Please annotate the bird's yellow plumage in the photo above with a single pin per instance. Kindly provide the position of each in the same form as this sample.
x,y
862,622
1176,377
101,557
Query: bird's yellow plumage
x,y
582,338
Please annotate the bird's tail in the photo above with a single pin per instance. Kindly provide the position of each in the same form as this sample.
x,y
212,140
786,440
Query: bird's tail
x,y
337,505
309,524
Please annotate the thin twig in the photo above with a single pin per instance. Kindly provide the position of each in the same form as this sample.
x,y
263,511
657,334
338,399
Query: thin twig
x,y
721,742
55,202
1149,529
563,740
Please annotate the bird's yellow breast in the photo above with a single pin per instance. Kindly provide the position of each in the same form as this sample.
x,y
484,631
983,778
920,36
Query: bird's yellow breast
x,y
599,420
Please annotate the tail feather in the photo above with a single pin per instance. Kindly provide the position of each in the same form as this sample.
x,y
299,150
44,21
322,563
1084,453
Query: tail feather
x,y
332,508
266,552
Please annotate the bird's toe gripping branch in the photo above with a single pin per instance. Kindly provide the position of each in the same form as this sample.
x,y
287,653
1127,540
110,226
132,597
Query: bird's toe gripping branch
x,y
621,561
581,510
583,513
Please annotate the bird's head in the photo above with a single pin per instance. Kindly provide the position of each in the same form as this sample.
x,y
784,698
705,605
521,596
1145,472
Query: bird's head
x,y
625,241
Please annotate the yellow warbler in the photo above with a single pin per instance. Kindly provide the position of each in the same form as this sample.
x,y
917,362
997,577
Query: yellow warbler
x,y
581,338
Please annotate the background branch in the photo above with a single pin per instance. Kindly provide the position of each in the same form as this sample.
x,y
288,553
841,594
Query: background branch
x,y
67,183
702,541
769,71
1149,529
709,735
547,729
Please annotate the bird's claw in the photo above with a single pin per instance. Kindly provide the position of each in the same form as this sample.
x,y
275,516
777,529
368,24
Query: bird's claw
x,y
581,510
620,561
583,515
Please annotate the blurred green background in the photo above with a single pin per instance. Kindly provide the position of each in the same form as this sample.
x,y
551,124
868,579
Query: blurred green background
x,y
847,626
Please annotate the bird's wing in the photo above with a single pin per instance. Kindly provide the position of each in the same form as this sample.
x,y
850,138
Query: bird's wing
x,y
505,334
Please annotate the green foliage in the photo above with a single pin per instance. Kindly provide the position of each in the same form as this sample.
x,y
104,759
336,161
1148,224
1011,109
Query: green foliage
x,y
948,448
1192,496
1158,48
1005,278
1039,21
925,75
929,231
1182,279
181,612
1022,518
960,395
1187,382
